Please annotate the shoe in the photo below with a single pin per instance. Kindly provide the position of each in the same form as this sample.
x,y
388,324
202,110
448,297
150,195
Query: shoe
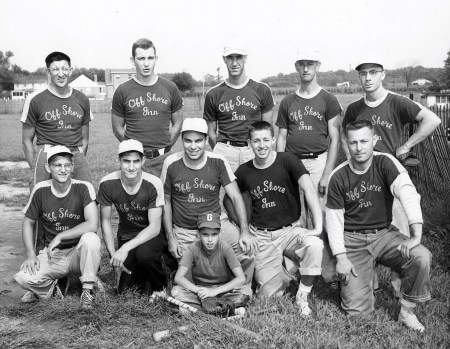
x,y
302,302
29,297
99,288
57,294
409,319
87,298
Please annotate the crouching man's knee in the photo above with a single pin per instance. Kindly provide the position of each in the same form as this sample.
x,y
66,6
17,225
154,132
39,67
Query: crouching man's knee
x,y
90,239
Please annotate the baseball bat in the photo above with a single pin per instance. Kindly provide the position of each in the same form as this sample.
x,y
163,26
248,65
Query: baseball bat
x,y
238,328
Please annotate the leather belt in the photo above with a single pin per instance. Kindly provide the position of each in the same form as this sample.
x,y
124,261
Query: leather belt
x,y
236,143
366,231
273,229
154,153
304,156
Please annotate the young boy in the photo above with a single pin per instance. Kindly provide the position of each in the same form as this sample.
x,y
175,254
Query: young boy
x,y
209,268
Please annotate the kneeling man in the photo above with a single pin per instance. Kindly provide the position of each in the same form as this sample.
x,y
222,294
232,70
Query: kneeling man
x,y
358,217
272,180
69,214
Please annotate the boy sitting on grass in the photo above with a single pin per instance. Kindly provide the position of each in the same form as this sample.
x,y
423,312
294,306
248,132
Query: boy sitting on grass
x,y
209,270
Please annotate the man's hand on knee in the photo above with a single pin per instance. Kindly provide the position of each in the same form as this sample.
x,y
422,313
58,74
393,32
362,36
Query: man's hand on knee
x,y
175,248
344,267
31,265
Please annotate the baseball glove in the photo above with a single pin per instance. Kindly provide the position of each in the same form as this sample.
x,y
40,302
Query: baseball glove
x,y
218,307
408,159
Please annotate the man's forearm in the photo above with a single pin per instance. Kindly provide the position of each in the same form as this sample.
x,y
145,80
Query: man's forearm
x,y
29,152
144,235
108,237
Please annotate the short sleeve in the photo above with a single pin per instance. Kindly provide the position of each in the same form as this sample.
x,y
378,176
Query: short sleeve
x,y
117,106
209,109
283,119
267,101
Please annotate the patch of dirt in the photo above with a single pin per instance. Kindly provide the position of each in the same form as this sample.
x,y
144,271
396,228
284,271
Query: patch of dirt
x,y
12,165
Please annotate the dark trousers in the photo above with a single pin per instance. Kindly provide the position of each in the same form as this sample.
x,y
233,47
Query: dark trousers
x,y
146,264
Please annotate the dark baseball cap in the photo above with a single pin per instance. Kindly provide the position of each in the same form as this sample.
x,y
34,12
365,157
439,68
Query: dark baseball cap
x,y
208,220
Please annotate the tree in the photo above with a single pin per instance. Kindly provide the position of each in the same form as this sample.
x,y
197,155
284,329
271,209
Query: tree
x,y
6,72
184,81
447,70
407,74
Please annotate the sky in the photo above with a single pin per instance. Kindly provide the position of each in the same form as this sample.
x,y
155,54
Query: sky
x,y
189,35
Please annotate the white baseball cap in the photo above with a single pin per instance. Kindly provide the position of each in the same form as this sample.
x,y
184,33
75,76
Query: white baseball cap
x,y
307,54
372,59
58,149
131,145
235,46
195,124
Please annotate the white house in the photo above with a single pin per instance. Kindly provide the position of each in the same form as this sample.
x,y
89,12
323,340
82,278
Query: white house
x,y
421,82
439,99
25,85
92,89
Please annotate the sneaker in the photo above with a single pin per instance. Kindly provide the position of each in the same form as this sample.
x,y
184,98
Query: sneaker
x,y
29,297
302,302
57,294
409,319
99,288
87,298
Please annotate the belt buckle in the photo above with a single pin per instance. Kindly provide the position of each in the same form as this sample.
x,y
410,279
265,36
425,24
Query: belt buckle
x,y
151,154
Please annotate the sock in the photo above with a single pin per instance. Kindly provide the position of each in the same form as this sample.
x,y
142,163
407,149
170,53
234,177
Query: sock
x,y
407,304
304,289
88,285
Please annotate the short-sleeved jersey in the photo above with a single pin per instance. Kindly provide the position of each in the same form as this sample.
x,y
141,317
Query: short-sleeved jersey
x,y
194,190
57,120
59,212
366,197
306,120
274,190
235,108
132,208
209,269
147,110
388,116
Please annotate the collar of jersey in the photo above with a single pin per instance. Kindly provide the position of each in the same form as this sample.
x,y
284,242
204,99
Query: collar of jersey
x,y
266,165
377,102
311,96
60,195
199,166
61,96
375,153
140,83
237,87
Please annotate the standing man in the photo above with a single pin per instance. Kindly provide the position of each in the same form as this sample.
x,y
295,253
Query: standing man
x,y
144,107
272,180
139,199
56,115
192,180
233,105
69,217
358,218
309,123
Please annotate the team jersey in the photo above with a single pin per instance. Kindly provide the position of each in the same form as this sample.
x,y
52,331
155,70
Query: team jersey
x,y
59,212
388,116
306,120
56,119
207,268
147,110
274,190
194,190
235,108
366,197
132,208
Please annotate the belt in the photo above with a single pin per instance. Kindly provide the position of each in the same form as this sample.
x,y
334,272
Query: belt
x,y
304,156
154,153
366,231
47,147
273,229
236,143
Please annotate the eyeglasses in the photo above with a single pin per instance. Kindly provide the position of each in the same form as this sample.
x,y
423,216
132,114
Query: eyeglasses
x,y
65,70
363,74
58,167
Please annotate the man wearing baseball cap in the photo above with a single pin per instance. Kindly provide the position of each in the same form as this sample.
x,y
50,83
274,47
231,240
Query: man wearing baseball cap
x,y
69,218
139,199
309,123
233,105
57,115
148,108
192,181
389,113
209,268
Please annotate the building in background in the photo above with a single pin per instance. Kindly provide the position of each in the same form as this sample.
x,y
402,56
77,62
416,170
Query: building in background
x,y
25,85
92,89
114,77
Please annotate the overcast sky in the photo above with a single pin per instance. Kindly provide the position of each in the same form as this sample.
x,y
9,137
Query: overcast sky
x,y
189,35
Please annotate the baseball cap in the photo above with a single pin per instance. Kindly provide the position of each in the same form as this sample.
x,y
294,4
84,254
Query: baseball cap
x,y
236,47
208,220
195,124
370,60
307,54
131,145
58,149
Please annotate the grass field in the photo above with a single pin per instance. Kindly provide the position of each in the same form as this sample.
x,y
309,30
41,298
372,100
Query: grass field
x,y
129,321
